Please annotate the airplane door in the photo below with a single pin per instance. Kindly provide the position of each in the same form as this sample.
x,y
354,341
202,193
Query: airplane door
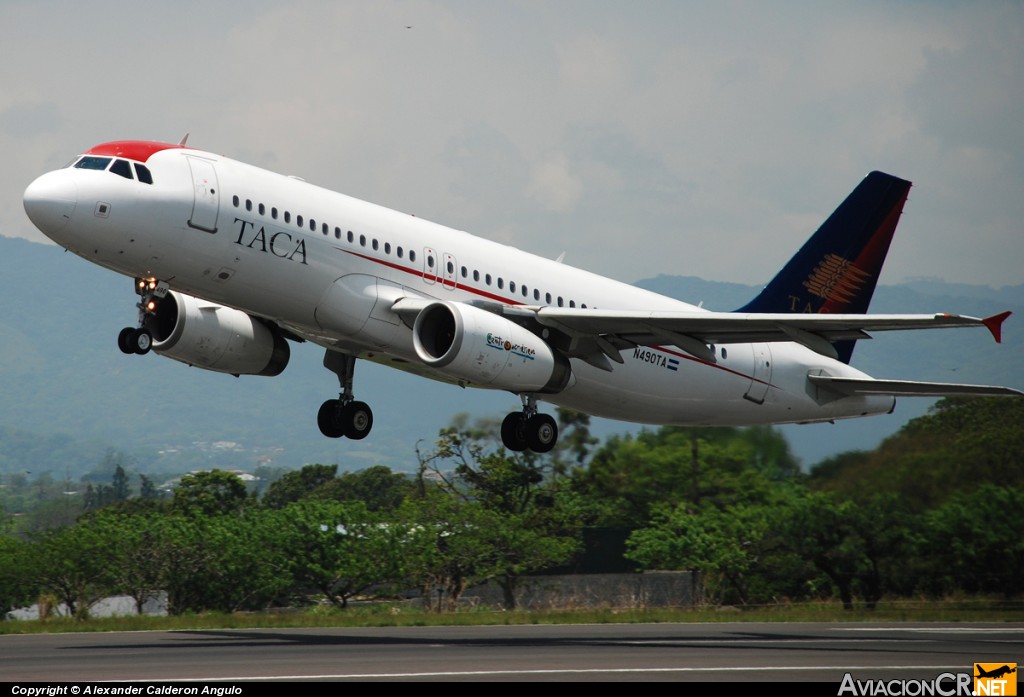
x,y
206,203
429,265
449,271
762,374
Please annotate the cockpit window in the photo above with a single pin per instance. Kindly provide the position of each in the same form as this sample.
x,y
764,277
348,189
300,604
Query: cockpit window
x,y
122,168
143,174
90,162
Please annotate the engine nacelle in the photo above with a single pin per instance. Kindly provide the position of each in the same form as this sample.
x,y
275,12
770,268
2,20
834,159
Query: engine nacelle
x,y
211,336
486,349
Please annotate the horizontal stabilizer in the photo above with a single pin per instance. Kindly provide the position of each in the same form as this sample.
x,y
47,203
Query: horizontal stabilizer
x,y
909,388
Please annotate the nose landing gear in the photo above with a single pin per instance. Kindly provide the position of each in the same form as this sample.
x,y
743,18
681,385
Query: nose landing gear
x,y
139,340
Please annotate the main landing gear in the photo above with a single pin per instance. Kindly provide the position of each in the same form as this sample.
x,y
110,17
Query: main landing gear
x,y
139,340
343,416
529,429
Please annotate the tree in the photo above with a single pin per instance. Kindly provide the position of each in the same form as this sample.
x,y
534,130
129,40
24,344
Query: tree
x,y
212,492
974,542
17,564
729,547
120,491
297,485
628,477
377,487
486,514
73,563
340,549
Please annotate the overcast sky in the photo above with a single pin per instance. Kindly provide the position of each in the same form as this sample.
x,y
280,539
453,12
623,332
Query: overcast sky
x,y
641,138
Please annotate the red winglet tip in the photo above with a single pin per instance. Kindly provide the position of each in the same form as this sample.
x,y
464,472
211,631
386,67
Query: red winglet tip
x,y
995,325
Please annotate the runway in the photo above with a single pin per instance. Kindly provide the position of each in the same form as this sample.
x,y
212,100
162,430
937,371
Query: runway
x,y
720,652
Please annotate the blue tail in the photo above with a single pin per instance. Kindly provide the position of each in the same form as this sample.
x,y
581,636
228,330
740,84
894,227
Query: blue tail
x,y
837,269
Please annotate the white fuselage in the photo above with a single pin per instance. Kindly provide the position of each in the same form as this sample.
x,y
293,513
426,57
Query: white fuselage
x,y
328,267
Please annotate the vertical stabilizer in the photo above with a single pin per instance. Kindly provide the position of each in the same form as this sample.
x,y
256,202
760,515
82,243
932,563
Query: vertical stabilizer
x,y
837,270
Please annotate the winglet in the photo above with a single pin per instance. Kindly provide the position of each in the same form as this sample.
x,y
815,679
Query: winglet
x,y
995,325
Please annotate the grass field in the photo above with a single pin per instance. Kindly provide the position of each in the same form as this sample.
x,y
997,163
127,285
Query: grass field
x,y
392,615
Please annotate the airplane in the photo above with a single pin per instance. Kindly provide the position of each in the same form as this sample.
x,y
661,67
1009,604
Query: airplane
x,y
231,262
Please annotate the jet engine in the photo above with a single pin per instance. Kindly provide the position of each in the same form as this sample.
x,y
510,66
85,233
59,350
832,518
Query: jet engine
x,y
486,349
211,336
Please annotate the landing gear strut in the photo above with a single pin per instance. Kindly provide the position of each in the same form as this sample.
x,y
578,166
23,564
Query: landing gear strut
x,y
139,340
343,416
529,429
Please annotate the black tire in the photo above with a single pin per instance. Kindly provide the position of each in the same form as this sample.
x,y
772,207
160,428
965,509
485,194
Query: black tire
x,y
142,341
124,340
541,433
327,419
356,420
513,432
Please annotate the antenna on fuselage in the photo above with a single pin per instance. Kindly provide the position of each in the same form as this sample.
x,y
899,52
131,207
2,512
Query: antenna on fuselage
x,y
184,139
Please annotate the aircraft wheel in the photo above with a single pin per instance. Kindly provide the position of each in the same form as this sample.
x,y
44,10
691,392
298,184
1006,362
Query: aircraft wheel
x,y
513,432
124,340
142,341
327,419
356,420
541,433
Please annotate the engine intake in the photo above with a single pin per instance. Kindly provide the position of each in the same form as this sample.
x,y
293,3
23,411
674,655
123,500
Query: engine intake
x,y
487,349
214,337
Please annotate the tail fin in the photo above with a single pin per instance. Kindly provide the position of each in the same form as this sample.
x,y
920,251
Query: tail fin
x,y
837,269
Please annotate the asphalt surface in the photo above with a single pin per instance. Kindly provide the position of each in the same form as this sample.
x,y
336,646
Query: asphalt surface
x,y
820,652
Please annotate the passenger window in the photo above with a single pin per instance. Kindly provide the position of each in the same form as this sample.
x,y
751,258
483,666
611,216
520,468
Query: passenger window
x,y
234,201
398,251
326,230
572,303
465,272
287,217
560,301
351,237
362,240
122,168
501,283
262,209
312,225
487,279
143,174
374,244
248,205
298,220
387,248
476,275
337,233
511,286
412,255
273,213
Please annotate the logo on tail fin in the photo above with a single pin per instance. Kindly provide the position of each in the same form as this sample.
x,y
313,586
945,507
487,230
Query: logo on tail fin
x,y
836,279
